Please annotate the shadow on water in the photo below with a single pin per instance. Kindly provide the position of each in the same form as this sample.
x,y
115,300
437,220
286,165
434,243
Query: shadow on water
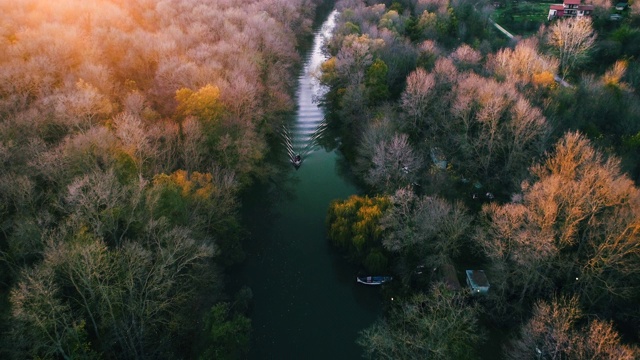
x,y
306,302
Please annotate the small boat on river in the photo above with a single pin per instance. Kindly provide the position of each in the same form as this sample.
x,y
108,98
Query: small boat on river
x,y
373,280
296,161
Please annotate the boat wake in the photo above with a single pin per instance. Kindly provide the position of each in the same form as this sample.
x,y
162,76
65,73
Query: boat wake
x,y
302,145
301,138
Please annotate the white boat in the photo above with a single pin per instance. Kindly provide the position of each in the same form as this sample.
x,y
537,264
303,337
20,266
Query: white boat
x,y
373,280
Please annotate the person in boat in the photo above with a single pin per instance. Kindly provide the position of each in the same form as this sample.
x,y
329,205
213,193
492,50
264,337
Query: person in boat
x,y
297,159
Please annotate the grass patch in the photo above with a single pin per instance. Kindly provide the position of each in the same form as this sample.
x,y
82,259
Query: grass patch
x,y
522,17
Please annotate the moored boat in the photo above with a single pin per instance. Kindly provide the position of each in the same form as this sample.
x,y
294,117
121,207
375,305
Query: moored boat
x,y
373,280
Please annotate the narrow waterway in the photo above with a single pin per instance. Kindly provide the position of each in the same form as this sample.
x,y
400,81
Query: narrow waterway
x,y
307,304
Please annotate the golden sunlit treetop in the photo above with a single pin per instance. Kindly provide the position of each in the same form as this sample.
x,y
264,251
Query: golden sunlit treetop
x,y
203,103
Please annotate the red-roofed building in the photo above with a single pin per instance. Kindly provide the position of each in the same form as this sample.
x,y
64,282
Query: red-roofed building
x,y
556,11
569,8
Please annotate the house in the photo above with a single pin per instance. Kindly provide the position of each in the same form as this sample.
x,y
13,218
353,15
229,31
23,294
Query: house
x,y
556,11
477,281
569,8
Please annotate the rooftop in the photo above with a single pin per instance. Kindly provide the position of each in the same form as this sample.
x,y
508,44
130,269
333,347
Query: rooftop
x,y
477,278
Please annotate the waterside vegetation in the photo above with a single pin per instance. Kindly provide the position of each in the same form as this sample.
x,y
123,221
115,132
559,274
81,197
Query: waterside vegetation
x,y
487,161
128,129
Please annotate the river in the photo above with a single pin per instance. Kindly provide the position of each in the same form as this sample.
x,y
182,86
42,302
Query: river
x,y
306,302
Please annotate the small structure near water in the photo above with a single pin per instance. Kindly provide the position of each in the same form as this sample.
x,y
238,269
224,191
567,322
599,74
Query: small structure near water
x,y
477,281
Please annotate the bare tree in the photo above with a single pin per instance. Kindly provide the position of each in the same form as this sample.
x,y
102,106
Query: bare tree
x,y
576,229
76,155
133,135
194,151
164,147
434,326
519,65
575,186
354,57
549,334
394,164
486,129
123,296
376,130
555,332
526,135
612,265
43,325
520,252
602,341
417,97
477,129
428,228
351,64
465,55
572,38
105,205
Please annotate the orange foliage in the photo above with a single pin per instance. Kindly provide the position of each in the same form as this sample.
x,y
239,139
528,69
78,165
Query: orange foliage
x,y
355,223
613,76
204,104
543,79
328,70
198,186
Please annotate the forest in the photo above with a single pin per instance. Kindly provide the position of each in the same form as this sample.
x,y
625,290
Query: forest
x,y
516,156
128,129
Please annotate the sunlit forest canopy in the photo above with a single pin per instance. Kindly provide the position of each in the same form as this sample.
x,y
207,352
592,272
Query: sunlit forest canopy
x,y
127,130
77,63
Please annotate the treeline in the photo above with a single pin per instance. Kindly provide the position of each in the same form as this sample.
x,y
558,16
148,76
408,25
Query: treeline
x,y
127,130
475,156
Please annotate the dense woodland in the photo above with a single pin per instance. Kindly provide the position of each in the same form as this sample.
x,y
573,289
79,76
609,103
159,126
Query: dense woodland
x,y
537,185
127,131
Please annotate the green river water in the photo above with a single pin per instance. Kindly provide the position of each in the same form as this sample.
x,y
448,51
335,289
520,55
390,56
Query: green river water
x,y
306,302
